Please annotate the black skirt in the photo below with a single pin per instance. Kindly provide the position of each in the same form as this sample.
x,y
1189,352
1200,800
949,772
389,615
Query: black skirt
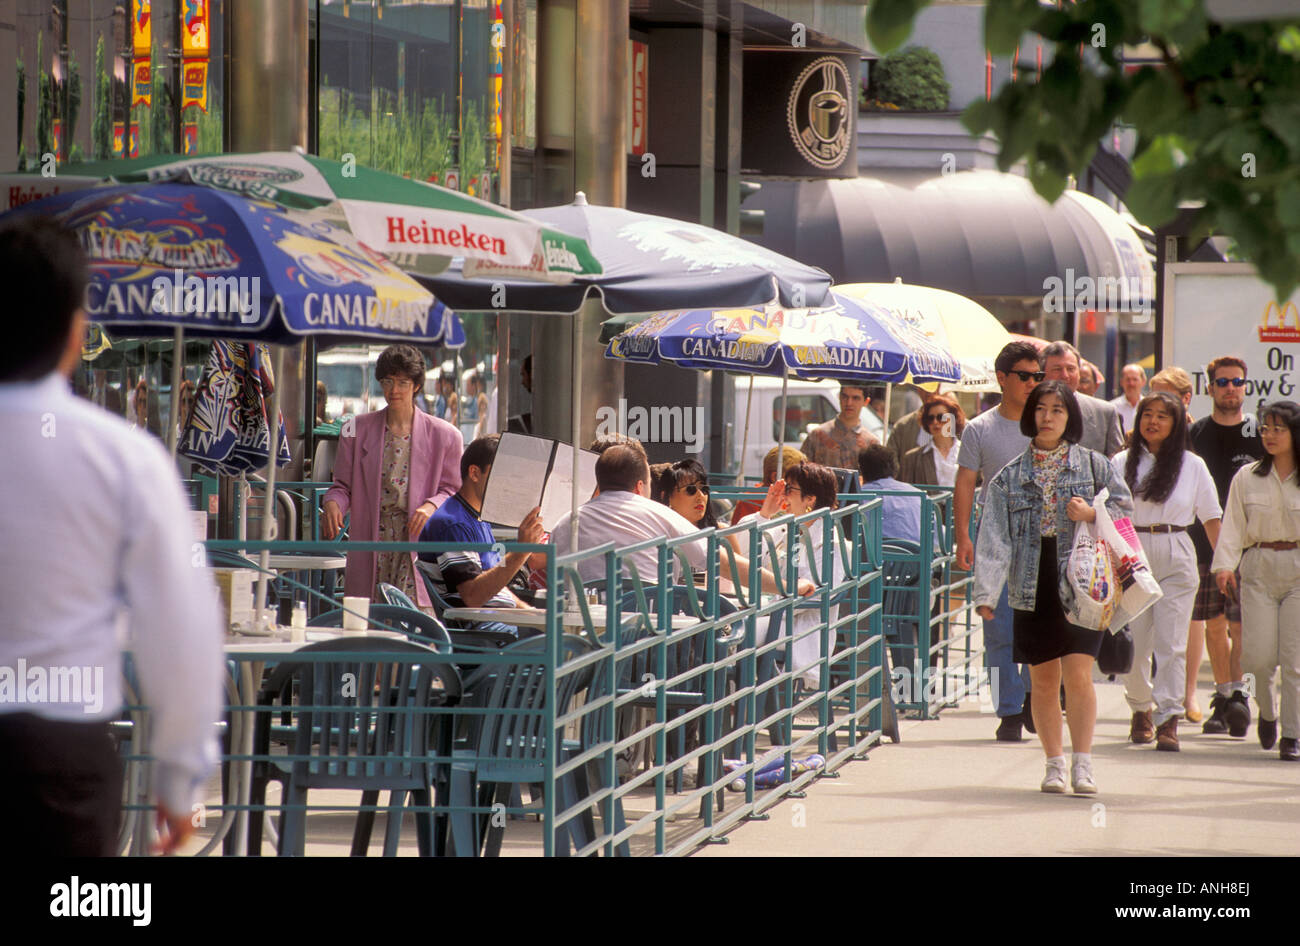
x,y
1044,634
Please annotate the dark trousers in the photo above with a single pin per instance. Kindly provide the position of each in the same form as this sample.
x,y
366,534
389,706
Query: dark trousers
x,y
60,787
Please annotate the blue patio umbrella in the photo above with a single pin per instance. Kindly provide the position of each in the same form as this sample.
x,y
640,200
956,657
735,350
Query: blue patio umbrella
x,y
850,340
217,264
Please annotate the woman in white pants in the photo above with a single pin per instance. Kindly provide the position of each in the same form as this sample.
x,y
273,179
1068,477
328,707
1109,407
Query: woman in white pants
x,y
1261,530
1171,487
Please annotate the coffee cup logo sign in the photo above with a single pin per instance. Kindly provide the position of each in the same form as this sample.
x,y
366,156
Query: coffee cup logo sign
x,y
817,112
1280,333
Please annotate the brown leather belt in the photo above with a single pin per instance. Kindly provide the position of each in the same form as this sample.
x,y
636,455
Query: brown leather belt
x,y
1276,546
1160,529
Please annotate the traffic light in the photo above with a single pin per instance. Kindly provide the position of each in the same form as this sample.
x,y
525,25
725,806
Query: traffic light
x,y
751,221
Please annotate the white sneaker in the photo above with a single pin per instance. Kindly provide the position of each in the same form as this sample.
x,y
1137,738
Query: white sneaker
x,y
1081,776
1055,780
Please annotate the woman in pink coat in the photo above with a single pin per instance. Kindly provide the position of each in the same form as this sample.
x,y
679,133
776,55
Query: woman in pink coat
x,y
394,468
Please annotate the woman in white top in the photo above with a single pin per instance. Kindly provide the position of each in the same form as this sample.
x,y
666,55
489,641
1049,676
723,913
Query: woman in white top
x,y
1171,487
935,463
1261,530
806,487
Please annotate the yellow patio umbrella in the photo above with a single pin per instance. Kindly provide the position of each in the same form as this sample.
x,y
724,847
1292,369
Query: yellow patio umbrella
x,y
953,322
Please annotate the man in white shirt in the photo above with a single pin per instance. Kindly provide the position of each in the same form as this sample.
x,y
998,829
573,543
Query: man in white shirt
x,y
94,535
622,513
1132,380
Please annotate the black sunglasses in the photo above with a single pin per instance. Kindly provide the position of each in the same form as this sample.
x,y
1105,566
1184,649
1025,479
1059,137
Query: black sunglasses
x,y
694,488
931,418
1235,382
1026,375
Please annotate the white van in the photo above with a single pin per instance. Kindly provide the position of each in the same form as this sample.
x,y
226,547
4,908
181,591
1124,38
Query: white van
x,y
350,383
808,403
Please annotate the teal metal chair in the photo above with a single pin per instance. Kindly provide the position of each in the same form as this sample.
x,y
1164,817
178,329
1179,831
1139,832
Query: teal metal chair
x,y
376,740
504,744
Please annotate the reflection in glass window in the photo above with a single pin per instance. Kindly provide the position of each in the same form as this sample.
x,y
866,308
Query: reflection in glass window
x,y
800,411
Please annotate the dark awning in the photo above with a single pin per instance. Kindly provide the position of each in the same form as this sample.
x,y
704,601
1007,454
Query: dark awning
x,y
979,233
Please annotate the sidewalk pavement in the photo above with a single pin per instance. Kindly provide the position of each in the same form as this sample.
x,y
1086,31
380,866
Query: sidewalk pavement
x,y
949,789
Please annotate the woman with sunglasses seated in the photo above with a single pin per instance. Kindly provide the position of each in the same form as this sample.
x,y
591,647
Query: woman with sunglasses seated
x,y
934,460
684,488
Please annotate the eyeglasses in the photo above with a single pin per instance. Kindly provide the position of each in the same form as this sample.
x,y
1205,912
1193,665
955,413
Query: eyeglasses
x,y
1224,382
933,418
1026,375
398,383
1272,429
694,488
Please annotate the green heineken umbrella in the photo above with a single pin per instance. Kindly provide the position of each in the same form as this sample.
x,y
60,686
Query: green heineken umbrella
x,y
420,226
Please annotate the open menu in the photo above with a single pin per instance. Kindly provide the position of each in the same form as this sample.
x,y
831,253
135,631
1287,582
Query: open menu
x,y
534,471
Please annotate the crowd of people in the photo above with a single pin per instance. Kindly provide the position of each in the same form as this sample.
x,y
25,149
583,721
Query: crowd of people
x,y
1036,460
1214,502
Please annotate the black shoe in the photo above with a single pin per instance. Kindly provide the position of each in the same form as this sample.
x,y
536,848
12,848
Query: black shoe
x,y
1237,716
1267,732
1009,729
1288,750
1216,725
1027,716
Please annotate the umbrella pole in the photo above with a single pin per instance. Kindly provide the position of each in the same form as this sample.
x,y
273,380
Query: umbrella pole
x,y
178,367
889,391
780,447
268,507
744,439
577,422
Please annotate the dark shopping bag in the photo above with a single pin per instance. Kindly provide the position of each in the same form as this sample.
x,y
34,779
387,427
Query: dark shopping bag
x,y
1116,655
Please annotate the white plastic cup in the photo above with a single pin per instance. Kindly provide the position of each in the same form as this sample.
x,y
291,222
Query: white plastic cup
x,y
356,614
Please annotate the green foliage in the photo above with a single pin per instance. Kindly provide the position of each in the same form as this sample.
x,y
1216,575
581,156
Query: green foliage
x,y
101,121
1218,124
73,101
912,79
414,146
44,104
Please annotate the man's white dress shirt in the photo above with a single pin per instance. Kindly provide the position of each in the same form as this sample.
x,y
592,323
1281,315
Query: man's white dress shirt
x,y
96,546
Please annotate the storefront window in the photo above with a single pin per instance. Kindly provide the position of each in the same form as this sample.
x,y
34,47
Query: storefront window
x,y
102,79
407,87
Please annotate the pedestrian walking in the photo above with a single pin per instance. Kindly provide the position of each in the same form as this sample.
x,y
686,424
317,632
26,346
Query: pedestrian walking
x,y
1102,429
989,442
1025,537
95,540
1171,488
1226,440
1261,533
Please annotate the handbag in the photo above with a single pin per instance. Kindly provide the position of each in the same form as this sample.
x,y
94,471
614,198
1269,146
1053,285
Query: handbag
x,y
1115,657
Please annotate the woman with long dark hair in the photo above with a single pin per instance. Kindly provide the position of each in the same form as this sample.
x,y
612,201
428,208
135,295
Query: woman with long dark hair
x,y
1172,487
1261,531
684,488
1025,537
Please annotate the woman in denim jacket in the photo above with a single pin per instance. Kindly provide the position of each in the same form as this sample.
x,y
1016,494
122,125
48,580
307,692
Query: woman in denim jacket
x,y
1026,533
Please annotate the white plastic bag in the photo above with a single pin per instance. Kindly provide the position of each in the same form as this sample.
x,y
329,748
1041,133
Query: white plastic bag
x,y
1091,578
1138,588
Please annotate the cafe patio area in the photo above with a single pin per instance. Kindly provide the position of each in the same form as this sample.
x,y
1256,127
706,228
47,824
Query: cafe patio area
x,y
635,716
